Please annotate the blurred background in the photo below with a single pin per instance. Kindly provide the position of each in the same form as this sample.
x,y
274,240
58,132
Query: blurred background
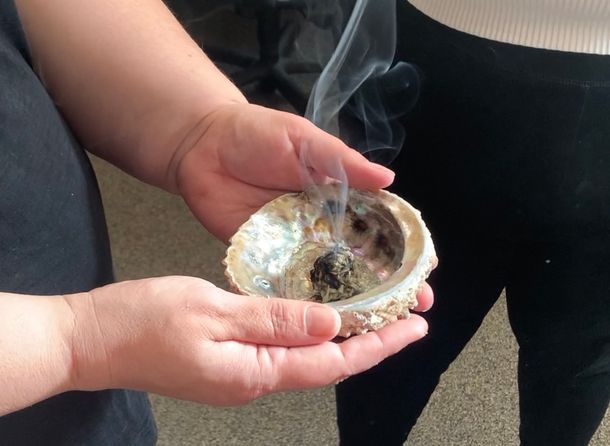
x,y
153,234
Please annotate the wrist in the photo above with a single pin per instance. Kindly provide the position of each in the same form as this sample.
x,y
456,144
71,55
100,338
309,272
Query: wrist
x,y
90,362
113,334
193,137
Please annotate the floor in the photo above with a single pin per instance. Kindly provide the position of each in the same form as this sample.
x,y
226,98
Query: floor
x,y
153,234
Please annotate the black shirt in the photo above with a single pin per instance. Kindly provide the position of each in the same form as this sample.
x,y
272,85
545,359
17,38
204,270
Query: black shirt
x,y
53,240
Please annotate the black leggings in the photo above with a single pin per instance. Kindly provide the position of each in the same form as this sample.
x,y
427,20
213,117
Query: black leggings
x,y
508,158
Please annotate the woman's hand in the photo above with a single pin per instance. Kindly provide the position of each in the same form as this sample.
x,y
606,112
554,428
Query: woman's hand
x,y
245,155
160,110
183,337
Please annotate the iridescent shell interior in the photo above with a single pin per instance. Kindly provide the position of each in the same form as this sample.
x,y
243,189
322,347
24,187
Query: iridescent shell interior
x,y
389,248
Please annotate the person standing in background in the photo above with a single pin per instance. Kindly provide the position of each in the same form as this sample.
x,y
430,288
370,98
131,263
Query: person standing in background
x,y
508,157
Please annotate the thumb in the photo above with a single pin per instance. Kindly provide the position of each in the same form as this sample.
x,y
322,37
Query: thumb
x,y
280,322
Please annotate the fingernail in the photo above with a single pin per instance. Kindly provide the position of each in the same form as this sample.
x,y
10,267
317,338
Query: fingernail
x,y
423,331
321,321
383,169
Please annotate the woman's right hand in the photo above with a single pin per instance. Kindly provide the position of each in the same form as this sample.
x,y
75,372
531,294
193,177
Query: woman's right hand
x,y
185,338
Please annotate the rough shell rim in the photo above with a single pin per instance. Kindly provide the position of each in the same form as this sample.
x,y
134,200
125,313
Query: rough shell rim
x,y
385,303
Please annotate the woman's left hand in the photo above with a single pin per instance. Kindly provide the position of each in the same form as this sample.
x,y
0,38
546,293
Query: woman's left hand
x,y
246,155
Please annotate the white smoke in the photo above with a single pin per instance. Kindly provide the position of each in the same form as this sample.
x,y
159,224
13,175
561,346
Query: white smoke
x,y
360,93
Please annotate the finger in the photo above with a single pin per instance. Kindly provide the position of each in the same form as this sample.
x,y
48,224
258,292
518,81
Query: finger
x,y
298,153
425,298
274,321
328,363
327,156
363,352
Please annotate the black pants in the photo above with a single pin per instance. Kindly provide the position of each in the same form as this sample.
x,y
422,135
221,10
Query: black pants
x,y
508,158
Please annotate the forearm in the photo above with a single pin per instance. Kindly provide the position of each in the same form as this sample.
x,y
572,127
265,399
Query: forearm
x,y
82,341
127,77
35,351
181,337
